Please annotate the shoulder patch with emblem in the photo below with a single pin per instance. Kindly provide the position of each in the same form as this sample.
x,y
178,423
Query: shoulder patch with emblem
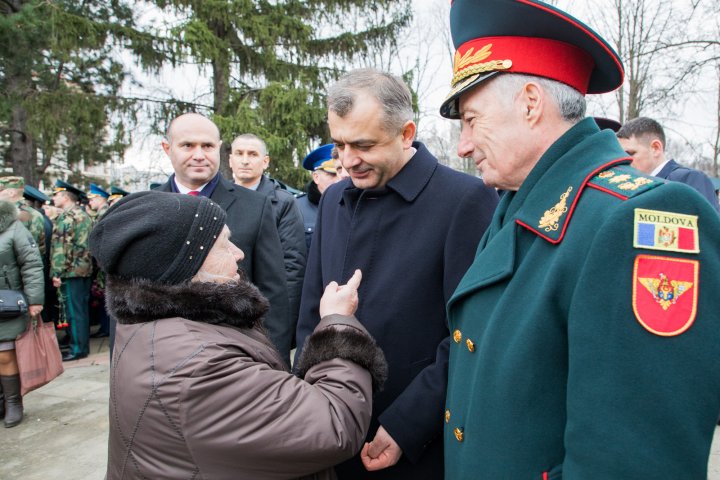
x,y
623,181
665,293
669,231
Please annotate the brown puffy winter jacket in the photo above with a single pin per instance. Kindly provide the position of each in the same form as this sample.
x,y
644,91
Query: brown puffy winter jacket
x,y
197,391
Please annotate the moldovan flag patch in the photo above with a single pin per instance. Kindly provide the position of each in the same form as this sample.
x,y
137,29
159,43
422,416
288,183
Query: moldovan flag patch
x,y
672,232
665,292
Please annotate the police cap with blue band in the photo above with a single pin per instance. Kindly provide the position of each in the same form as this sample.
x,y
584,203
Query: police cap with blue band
x,y
320,159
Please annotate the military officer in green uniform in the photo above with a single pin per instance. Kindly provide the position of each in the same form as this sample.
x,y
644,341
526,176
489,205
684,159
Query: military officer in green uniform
x,y
586,333
12,189
71,267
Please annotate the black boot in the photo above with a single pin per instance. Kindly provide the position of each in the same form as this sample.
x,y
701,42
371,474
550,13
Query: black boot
x,y
14,408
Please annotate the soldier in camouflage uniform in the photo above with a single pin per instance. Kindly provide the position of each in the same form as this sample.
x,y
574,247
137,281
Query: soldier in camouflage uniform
x,y
71,266
98,202
11,189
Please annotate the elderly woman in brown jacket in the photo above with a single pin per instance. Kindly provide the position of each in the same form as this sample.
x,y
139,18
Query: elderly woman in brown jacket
x,y
197,390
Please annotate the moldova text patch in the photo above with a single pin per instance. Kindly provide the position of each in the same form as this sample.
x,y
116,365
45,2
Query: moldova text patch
x,y
665,293
672,232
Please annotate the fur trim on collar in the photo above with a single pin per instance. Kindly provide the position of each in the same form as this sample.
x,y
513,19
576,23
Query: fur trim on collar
x,y
138,301
8,214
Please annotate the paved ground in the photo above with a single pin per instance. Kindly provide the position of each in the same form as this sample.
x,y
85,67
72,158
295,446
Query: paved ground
x,y
64,433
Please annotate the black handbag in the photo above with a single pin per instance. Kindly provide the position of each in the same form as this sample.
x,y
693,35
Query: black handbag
x,y
13,304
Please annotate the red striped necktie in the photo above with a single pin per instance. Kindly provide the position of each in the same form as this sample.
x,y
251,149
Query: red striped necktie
x,y
194,193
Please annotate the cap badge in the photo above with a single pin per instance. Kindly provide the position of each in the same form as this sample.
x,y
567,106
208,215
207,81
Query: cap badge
x,y
469,63
549,221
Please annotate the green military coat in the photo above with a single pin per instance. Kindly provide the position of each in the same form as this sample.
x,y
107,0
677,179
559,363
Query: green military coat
x,y
70,252
586,334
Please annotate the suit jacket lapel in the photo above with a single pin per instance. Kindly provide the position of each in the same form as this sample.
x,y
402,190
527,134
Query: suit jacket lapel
x,y
223,195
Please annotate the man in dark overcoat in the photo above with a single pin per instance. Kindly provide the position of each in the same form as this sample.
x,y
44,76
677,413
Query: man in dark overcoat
x,y
411,225
586,333
644,139
193,144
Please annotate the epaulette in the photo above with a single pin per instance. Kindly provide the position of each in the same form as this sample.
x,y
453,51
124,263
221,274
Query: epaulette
x,y
623,182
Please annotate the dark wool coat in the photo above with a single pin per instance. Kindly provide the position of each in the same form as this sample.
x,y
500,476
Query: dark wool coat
x,y
198,391
289,223
568,360
413,240
251,220
689,176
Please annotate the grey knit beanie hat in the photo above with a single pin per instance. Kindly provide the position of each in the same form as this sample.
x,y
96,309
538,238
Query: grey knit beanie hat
x,y
159,236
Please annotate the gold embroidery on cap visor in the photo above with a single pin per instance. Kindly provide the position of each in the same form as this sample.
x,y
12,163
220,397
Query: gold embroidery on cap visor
x,y
467,70
470,63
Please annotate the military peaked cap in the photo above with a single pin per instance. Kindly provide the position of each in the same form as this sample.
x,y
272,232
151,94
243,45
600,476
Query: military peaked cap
x,y
528,37
32,193
96,191
320,159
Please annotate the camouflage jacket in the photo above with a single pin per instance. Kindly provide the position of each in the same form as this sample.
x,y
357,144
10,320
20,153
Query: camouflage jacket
x,y
33,221
101,213
70,254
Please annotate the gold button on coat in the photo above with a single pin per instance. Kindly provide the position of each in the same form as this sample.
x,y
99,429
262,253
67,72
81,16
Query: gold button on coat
x,y
457,336
470,345
447,416
458,434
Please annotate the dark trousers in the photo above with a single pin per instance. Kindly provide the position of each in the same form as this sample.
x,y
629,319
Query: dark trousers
x,y
77,293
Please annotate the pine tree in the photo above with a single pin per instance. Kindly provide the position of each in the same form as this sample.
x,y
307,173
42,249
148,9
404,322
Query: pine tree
x,y
60,74
271,62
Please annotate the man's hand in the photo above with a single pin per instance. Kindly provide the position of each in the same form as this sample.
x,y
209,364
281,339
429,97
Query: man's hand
x,y
341,299
381,453
56,282
35,310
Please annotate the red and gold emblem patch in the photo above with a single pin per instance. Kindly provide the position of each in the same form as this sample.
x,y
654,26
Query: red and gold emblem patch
x,y
665,292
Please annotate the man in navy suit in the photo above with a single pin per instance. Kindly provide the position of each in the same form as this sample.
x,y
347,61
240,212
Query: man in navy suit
x,y
644,139
412,226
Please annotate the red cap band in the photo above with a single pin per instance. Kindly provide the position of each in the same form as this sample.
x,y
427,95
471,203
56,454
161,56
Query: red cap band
x,y
529,55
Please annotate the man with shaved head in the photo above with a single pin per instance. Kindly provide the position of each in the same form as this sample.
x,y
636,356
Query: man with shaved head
x,y
192,143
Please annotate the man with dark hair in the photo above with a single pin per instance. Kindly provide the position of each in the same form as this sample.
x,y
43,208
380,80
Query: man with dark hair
x,y
586,333
193,145
71,266
411,225
249,159
644,139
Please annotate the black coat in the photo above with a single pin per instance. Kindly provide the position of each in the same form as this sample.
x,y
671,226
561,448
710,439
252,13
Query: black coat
x,y
252,226
413,241
696,179
289,223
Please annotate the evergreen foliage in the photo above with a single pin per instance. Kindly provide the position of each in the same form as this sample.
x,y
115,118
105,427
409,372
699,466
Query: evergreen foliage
x,y
63,64
271,62
60,77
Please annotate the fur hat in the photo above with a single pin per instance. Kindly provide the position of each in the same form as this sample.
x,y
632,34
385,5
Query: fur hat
x,y
163,237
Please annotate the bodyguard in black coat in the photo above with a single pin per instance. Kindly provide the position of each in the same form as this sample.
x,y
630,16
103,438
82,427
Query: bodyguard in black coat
x,y
412,227
675,172
644,139
193,144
